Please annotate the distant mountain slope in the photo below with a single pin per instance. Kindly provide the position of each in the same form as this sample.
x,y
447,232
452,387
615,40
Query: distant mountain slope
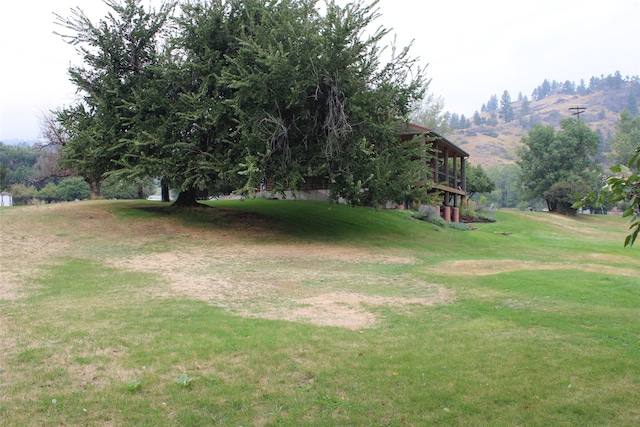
x,y
496,144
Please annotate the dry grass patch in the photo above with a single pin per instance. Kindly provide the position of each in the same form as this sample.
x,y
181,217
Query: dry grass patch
x,y
259,281
310,282
491,267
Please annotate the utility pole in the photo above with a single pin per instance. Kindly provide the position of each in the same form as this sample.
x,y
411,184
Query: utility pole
x,y
577,110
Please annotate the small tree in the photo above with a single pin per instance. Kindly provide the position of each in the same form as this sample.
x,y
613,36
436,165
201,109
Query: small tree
x,y
73,188
492,105
508,190
22,193
429,112
547,158
526,107
506,109
478,181
623,186
49,193
563,195
626,140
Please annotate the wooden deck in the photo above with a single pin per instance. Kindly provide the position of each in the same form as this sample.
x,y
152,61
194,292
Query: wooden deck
x,y
450,189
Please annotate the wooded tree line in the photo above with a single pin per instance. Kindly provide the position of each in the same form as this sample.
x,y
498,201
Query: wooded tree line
x,y
224,95
30,174
557,167
502,108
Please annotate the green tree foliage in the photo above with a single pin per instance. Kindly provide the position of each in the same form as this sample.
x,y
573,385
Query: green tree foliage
x,y
507,193
622,186
17,164
568,88
454,121
22,193
547,158
626,140
581,89
315,102
429,112
3,177
116,52
525,108
477,119
542,91
88,152
563,195
506,109
50,149
49,193
632,103
114,188
72,188
492,105
245,92
478,181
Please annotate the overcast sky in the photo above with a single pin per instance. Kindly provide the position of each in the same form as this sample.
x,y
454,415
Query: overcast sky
x,y
474,49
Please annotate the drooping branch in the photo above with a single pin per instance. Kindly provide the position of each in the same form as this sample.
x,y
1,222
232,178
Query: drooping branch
x,y
336,124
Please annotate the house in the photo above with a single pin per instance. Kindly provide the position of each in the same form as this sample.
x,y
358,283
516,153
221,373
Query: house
x,y
447,171
448,168
6,199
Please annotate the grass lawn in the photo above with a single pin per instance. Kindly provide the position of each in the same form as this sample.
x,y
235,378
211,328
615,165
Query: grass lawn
x,y
265,313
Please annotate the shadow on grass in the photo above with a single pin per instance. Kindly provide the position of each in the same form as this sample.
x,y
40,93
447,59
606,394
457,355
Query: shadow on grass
x,y
305,220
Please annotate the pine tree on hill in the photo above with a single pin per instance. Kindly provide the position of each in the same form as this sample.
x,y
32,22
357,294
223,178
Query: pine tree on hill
x,y
506,109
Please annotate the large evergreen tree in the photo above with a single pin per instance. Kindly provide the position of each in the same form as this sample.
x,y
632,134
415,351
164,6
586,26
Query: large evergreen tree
x,y
246,91
315,103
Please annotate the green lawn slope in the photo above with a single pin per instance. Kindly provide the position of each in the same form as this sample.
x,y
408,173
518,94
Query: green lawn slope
x,y
265,313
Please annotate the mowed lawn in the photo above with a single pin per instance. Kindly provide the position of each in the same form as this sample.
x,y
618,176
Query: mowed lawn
x,y
268,313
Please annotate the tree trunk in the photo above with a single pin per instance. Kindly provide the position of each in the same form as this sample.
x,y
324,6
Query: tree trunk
x,y
165,190
140,192
95,184
187,199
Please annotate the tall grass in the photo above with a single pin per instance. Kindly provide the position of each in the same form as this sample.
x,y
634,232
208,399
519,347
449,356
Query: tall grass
x,y
543,329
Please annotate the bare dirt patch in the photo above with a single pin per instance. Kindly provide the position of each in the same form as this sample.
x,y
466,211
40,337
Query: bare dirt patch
x,y
350,310
258,281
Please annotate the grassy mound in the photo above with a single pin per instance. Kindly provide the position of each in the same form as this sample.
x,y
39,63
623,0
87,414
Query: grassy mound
x,y
297,313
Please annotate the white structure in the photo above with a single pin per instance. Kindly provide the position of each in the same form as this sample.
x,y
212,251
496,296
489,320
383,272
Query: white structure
x,y
6,199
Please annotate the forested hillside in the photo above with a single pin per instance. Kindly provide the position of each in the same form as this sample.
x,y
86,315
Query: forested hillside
x,y
492,134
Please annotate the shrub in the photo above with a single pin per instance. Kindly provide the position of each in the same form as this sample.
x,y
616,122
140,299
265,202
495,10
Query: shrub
x,y
562,195
73,188
22,193
472,212
429,214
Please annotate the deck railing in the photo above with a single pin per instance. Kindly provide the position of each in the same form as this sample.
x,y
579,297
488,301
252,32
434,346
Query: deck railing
x,y
449,180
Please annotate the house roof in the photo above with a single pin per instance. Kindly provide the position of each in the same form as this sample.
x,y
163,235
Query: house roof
x,y
4,193
412,129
